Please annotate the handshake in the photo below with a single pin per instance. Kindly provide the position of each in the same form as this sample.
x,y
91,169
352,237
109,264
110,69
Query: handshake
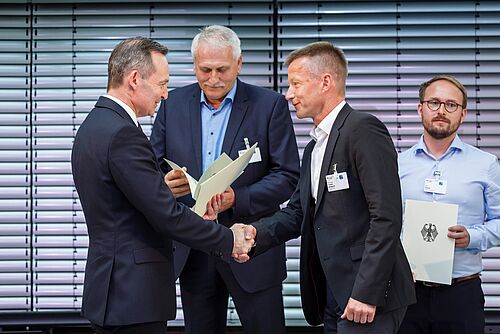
x,y
244,240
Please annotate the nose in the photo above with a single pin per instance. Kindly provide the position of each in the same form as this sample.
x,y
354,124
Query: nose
x,y
289,94
441,109
164,93
213,76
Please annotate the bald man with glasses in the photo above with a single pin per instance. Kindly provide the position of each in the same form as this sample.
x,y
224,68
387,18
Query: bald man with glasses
x,y
472,181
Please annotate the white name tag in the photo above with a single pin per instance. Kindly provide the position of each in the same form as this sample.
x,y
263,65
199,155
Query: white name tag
x,y
255,156
337,181
435,186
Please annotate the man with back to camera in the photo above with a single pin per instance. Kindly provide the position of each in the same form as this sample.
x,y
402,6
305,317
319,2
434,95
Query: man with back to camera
x,y
472,180
130,213
193,127
354,275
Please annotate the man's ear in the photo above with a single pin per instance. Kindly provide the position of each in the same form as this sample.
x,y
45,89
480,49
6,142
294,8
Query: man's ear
x,y
419,110
327,82
240,62
132,79
464,114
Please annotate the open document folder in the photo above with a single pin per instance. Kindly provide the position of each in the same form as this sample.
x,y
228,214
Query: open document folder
x,y
216,179
425,239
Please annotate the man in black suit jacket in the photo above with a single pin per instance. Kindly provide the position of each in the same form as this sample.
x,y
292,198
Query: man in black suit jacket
x,y
131,214
347,206
223,114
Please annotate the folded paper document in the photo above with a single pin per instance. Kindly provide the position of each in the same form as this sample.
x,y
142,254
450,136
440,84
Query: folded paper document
x,y
425,239
216,179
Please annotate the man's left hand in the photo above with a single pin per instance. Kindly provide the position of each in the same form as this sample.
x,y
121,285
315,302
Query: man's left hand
x,y
359,312
460,234
227,199
213,207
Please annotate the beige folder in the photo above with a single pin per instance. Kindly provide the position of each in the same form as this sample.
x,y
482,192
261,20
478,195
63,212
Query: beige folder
x,y
216,179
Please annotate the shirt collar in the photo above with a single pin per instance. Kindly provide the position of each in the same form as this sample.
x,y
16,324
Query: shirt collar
x,y
326,124
456,145
229,97
122,104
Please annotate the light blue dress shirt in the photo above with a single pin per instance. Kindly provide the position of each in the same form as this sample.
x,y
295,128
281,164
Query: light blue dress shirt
x,y
213,126
473,182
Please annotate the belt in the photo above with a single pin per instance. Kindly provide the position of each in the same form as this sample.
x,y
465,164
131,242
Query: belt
x,y
453,281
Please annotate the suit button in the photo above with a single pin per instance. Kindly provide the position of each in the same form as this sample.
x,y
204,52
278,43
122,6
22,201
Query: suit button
x,y
318,228
173,249
326,258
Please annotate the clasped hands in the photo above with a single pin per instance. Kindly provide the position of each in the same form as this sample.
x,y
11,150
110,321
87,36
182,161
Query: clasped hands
x,y
243,235
244,240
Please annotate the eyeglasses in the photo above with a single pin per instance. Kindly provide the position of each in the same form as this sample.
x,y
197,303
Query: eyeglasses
x,y
449,106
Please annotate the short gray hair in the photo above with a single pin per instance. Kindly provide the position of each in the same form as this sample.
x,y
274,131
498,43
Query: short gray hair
x,y
218,37
132,54
325,57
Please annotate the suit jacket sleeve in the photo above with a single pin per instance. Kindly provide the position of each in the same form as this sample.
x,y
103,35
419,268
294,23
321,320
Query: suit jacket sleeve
x,y
280,227
158,138
134,169
287,223
275,187
376,163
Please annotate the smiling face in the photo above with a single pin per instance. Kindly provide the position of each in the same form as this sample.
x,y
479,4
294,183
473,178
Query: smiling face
x,y
441,124
304,89
151,90
216,71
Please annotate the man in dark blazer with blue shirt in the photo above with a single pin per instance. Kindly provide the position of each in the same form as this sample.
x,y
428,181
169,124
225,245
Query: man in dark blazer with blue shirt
x,y
130,213
193,127
354,275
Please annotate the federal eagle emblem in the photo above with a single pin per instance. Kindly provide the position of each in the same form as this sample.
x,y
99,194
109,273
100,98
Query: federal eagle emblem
x,y
429,232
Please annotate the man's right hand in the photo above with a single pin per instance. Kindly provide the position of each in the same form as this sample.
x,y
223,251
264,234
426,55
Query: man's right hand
x,y
244,239
177,181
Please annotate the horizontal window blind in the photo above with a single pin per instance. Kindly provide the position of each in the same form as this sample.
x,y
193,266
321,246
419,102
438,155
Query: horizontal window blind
x,y
71,46
394,46
53,66
15,158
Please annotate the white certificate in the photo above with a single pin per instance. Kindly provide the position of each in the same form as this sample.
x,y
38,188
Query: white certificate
x,y
425,239
220,175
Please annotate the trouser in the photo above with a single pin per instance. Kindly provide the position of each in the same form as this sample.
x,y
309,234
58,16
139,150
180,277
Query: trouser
x,y
145,328
383,323
206,283
446,309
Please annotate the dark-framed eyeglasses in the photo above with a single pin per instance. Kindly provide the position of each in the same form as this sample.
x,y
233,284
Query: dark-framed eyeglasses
x,y
449,106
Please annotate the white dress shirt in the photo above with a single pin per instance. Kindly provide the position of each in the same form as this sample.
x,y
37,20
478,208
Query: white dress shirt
x,y
320,134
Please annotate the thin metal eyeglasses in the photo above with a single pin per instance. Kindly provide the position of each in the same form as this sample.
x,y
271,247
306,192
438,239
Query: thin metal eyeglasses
x,y
449,106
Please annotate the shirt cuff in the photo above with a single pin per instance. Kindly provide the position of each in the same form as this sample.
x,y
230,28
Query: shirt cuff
x,y
474,238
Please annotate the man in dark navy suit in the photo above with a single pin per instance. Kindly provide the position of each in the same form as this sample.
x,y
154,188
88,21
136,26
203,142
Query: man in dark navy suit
x,y
130,213
221,114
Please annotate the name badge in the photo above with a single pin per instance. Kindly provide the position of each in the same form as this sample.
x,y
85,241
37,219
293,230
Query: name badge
x,y
255,156
435,186
337,181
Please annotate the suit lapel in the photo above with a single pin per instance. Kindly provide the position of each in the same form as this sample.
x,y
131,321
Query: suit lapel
x,y
194,110
305,180
330,148
240,107
305,186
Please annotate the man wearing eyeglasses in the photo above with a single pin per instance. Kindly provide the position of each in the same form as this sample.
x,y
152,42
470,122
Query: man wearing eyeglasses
x,y
471,179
